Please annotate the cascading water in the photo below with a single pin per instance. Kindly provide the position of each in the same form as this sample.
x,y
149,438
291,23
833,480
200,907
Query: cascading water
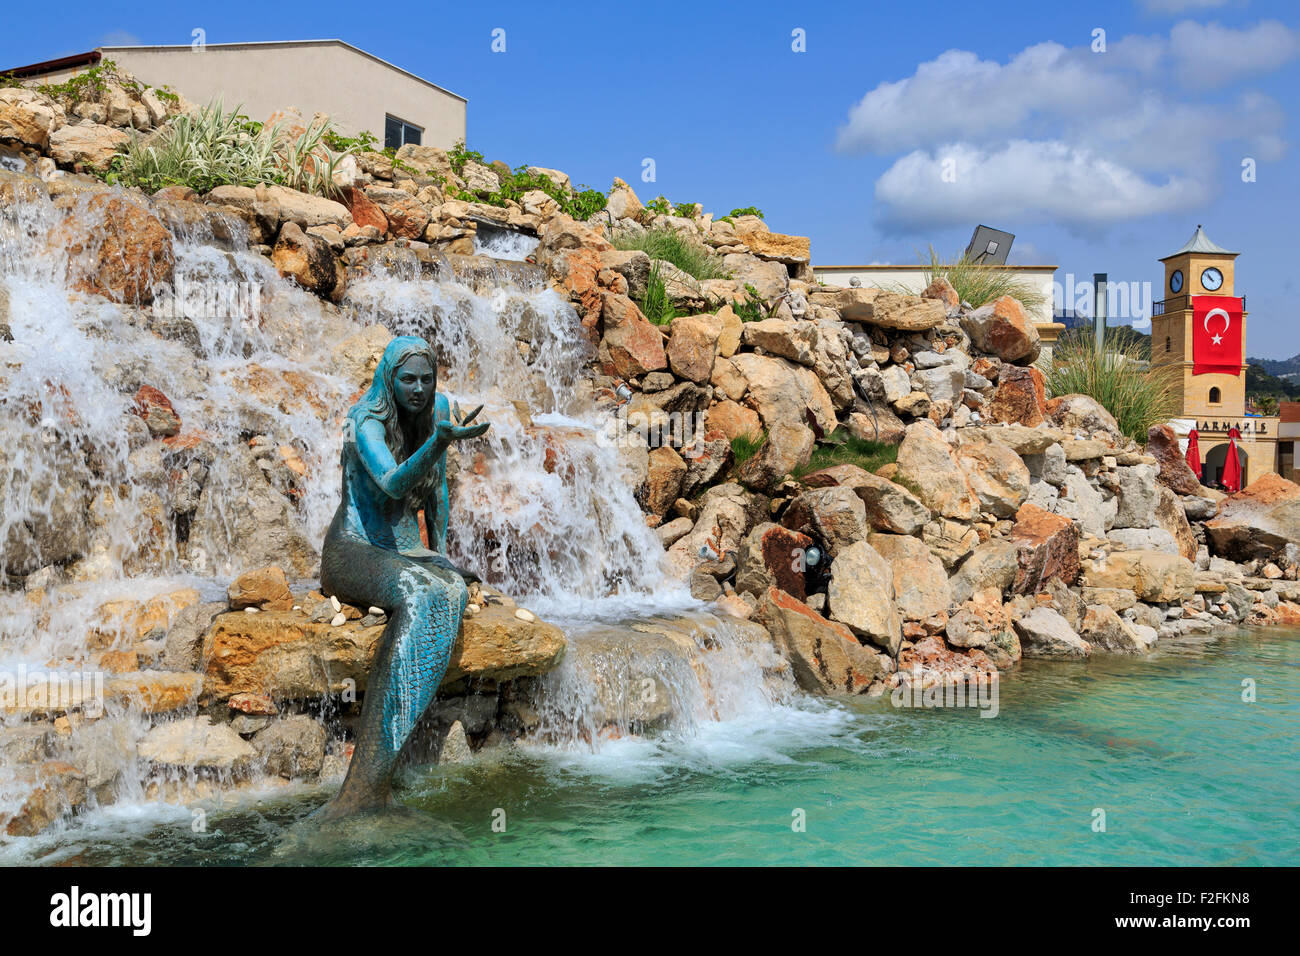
x,y
260,374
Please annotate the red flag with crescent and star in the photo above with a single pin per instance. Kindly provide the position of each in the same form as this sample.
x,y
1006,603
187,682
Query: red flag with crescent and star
x,y
1216,335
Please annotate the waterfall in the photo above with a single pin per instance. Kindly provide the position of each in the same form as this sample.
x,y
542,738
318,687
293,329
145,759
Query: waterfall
x,y
260,374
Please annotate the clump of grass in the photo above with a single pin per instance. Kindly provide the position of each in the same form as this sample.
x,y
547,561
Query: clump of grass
x,y
745,447
979,284
671,246
656,304
841,448
1118,378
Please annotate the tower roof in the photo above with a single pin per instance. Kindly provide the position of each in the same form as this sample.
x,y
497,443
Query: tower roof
x,y
1201,243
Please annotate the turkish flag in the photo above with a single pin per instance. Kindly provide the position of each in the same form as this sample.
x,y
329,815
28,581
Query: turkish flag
x,y
1216,335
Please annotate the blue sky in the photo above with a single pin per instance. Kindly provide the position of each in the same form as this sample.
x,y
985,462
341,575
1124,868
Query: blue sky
x,y
1098,161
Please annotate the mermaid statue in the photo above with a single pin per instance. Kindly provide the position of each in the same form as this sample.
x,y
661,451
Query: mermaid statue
x,y
394,447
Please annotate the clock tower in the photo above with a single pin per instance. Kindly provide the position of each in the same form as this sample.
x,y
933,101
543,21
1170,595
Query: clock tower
x,y
1199,268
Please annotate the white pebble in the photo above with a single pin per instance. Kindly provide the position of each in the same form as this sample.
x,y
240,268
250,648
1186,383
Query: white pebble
x,y
297,607
376,610
525,615
471,608
334,603
338,620
251,610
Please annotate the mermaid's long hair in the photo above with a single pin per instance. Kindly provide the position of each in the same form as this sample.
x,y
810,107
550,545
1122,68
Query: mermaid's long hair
x,y
379,403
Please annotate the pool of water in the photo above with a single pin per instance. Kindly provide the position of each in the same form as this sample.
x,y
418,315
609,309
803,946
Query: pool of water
x,y
1185,771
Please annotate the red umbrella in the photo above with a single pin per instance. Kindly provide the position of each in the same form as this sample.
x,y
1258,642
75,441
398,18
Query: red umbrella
x,y
1232,465
1194,452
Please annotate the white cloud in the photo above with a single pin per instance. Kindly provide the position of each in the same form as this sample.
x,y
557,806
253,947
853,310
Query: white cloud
x,y
1086,139
1180,6
119,38
1020,183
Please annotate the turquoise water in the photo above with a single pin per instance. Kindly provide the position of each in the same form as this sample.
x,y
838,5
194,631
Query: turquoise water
x,y
1185,771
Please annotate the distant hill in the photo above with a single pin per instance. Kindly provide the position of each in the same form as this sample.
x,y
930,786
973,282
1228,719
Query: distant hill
x,y
1281,368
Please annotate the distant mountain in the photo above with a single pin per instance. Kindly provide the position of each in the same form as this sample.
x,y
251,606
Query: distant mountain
x,y
1281,368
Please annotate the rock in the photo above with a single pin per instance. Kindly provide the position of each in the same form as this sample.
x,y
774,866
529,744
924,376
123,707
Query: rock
x,y
425,160
771,556
157,412
265,588
307,210
1107,631
309,261
694,346
796,341
788,446
890,310
1137,496
779,390
791,250
1153,576
196,743
631,346
54,788
1144,539
455,746
1047,548
1020,398
1044,634
707,456
1175,472
293,747
116,248
183,646
826,657
1003,328
920,581
834,515
993,564
950,541
285,655
479,179
664,484
89,145
734,420
29,118
996,474
1079,414
623,202
879,425
405,215
861,595
942,290
889,507
928,467
723,520
1258,522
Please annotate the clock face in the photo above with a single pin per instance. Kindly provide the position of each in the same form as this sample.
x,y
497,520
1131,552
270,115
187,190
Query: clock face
x,y
1212,279
1176,281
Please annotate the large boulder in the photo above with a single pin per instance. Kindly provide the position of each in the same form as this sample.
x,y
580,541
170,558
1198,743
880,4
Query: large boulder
x,y
771,556
1020,398
891,310
1047,548
307,210
309,261
1003,328
826,657
28,118
996,474
993,564
788,446
89,145
796,341
285,655
266,589
780,390
1171,517
1154,576
835,515
1175,472
1107,631
791,250
196,743
1082,415
1138,496
1258,522
631,346
694,346
723,521
920,581
1045,634
116,248
928,467
889,506
861,595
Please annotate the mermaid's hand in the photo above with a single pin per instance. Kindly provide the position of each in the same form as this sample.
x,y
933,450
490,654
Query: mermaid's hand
x,y
459,428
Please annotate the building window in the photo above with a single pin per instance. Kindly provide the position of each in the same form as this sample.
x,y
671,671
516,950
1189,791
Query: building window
x,y
1168,344
1215,397
398,133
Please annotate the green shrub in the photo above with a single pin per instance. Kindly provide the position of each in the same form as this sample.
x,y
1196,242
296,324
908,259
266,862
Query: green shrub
x,y
1119,378
685,209
458,156
839,448
744,211
671,246
745,447
658,206
979,284
89,85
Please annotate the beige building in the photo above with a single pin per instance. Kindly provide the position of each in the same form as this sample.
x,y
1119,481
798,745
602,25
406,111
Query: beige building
x,y
358,90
